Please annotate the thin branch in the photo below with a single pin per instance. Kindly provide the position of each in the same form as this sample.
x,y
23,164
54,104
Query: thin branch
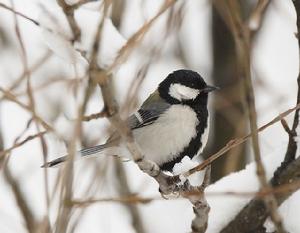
x,y
283,189
21,143
286,126
18,194
235,142
292,146
136,38
256,17
82,2
8,95
32,69
65,212
292,133
19,14
124,190
22,203
254,214
69,12
131,199
94,116
242,40
29,93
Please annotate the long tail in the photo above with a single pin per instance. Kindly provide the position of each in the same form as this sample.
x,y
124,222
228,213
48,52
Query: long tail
x,y
87,152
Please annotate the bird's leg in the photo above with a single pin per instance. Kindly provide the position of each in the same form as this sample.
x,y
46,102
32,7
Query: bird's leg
x,y
148,166
167,184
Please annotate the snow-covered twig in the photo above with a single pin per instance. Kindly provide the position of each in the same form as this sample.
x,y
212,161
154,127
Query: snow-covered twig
x,y
254,214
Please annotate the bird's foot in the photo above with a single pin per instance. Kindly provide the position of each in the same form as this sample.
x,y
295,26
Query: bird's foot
x,y
149,167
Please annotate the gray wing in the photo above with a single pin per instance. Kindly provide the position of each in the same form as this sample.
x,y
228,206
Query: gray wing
x,y
152,108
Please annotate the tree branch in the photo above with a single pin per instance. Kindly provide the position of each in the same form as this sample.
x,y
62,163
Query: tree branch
x,y
237,141
252,217
69,12
19,14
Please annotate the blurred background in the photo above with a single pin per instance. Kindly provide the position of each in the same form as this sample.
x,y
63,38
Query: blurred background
x,y
38,53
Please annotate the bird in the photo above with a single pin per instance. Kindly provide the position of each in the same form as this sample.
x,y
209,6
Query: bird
x,y
173,122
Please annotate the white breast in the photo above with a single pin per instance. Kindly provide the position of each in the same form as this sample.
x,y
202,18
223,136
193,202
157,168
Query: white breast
x,y
164,139
204,138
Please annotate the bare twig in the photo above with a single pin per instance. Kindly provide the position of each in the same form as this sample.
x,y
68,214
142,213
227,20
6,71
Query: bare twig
x,y
235,142
283,189
287,172
242,40
286,126
292,133
67,182
255,213
292,146
69,12
22,203
21,143
94,116
32,69
131,199
8,95
19,14
124,190
136,38
256,17
81,2
19,196
118,8
32,101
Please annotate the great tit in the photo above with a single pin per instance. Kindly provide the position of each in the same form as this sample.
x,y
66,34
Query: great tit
x,y
172,123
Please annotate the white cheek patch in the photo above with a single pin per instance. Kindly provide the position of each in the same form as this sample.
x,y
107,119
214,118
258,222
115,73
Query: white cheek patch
x,y
181,92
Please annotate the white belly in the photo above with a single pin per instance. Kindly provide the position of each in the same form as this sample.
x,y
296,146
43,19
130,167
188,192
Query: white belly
x,y
169,135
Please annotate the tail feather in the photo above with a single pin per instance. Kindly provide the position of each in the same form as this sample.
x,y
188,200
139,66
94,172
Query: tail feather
x,y
91,150
55,162
86,152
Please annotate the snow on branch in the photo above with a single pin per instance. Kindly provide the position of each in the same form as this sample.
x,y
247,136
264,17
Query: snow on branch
x,y
252,217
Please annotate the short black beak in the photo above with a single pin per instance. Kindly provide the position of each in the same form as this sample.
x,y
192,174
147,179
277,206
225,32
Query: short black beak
x,y
210,88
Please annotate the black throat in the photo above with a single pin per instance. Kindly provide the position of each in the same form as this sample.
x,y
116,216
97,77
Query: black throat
x,y
196,143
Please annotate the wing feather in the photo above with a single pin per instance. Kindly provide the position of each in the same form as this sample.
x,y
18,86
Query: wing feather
x,y
152,108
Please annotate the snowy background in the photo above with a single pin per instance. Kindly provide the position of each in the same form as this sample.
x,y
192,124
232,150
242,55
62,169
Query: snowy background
x,y
275,57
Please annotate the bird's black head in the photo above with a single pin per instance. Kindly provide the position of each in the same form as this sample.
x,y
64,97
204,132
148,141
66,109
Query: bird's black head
x,y
184,87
